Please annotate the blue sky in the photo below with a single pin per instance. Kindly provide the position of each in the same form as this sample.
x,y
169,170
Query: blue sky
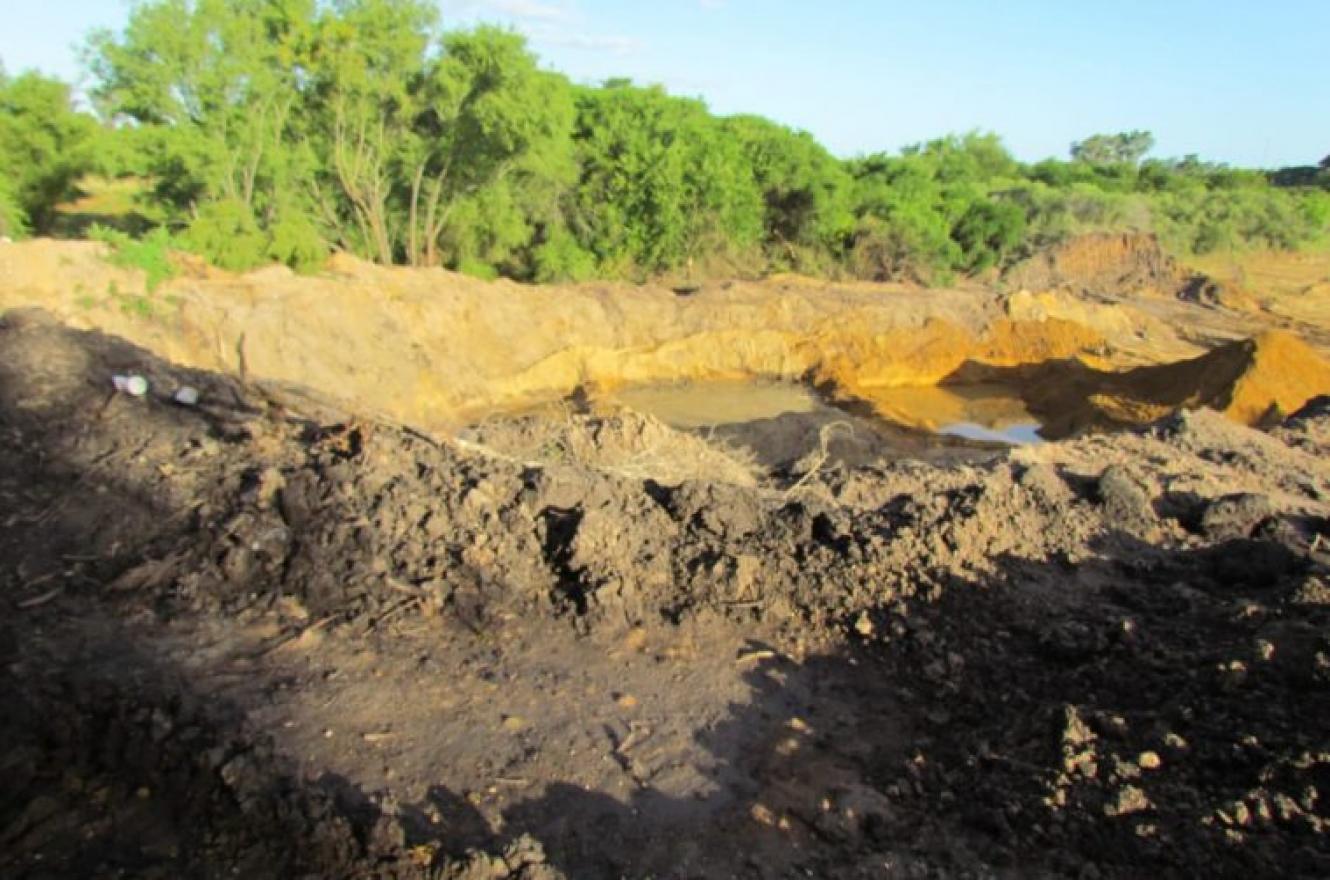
x,y
1232,80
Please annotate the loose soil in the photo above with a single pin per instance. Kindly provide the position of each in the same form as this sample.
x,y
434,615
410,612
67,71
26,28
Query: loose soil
x,y
265,636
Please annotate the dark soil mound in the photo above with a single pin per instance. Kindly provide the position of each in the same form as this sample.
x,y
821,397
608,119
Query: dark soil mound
x,y
255,637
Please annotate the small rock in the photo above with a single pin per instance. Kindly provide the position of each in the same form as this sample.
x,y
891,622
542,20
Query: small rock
x,y
636,640
1127,800
1235,516
1232,675
1127,503
863,625
762,814
1149,761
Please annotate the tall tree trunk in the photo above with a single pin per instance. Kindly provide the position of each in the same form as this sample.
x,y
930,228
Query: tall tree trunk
x,y
413,234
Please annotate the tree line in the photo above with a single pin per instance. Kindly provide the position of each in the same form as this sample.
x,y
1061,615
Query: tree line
x,y
279,130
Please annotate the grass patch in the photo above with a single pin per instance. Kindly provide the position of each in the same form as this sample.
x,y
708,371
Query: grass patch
x,y
150,254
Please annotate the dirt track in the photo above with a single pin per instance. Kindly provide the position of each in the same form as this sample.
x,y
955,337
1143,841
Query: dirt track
x,y
259,637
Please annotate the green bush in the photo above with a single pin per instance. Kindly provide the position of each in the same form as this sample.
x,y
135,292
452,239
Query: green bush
x,y
13,220
273,131
295,241
477,269
987,233
45,147
151,254
561,258
226,234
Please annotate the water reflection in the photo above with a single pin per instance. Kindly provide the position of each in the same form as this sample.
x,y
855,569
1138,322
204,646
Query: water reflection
x,y
1015,435
986,412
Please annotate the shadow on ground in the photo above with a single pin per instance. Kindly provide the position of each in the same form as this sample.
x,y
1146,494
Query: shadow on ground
x,y
1141,712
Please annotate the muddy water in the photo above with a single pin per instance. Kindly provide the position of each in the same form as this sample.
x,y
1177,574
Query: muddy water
x,y
986,413
701,405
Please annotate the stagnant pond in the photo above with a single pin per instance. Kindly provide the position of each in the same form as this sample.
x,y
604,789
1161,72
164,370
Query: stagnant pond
x,y
986,413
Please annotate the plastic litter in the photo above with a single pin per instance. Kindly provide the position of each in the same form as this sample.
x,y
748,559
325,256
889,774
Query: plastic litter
x,y
187,395
133,384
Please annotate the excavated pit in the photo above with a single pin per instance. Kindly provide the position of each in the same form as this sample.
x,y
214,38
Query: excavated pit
x,y
310,627
245,639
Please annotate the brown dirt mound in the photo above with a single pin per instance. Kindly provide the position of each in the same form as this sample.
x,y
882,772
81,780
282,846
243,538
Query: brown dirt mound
x,y
1101,262
434,349
245,642
1254,382
619,441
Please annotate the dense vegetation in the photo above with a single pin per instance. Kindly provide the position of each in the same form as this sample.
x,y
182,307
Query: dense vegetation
x,y
276,130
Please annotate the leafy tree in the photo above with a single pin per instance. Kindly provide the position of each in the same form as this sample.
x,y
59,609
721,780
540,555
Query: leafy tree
x,y
45,147
213,87
274,129
805,190
13,220
987,232
661,184
1125,148
490,114
932,210
369,66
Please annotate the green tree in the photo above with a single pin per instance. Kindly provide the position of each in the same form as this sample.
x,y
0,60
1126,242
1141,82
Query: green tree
x,y
805,190
13,221
1125,148
988,232
46,145
662,185
369,62
932,211
212,88
488,114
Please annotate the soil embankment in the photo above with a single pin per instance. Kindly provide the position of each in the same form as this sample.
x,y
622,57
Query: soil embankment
x,y
433,349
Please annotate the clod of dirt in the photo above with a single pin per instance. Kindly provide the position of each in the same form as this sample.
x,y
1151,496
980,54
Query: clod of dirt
x,y
1235,516
1127,502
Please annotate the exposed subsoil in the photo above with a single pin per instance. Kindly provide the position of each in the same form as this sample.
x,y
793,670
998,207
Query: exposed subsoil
x,y
260,638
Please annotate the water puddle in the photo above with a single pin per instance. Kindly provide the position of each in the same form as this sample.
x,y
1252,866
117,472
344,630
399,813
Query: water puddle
x,y
706,404
984,412
1012,435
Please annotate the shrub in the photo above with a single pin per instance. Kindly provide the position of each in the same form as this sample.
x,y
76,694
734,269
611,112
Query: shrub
x,y
151,254
561,258
988,232
226,234
13,221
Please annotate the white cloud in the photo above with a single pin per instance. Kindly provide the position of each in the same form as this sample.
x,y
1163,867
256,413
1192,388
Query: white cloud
x,y
521,10
614,44
555,23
